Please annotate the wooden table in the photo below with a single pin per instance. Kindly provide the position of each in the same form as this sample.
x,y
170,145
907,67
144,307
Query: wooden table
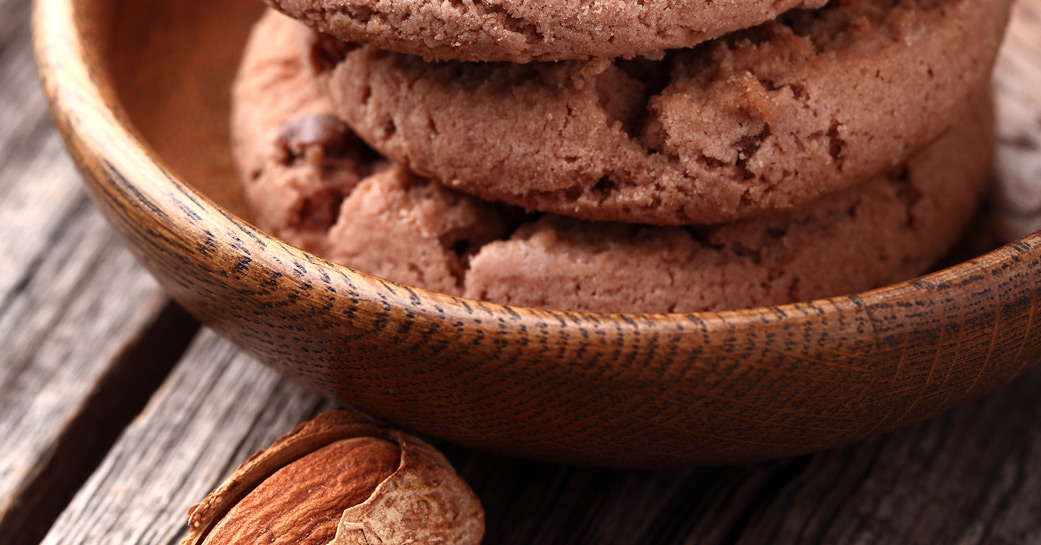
x,y
118,411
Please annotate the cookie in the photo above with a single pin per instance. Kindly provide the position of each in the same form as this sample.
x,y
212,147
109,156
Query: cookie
x,y
394,224
295,173
521,31
312,183
889,229
761,121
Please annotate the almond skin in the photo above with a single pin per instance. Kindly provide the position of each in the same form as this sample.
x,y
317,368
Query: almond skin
x,y
302,503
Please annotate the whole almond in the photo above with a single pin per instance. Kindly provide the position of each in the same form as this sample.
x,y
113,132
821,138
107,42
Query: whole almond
x,y
302,503
340,479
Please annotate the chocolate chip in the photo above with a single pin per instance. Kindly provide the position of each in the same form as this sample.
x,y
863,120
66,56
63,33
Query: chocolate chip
x,y
747,146
322,131
318,212
325,52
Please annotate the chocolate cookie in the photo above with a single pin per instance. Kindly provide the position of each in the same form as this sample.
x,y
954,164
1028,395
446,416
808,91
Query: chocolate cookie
x,y
521,31
394,224
311,182
760,121
889,229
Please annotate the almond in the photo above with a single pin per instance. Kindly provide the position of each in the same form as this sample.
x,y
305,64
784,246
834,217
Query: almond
x,y
339,480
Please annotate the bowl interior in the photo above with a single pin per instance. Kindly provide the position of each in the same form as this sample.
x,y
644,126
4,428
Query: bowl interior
x,y
174,80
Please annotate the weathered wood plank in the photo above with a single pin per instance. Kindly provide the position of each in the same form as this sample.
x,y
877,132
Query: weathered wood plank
x,y
76,312
967,477
75,438
71,334
38,185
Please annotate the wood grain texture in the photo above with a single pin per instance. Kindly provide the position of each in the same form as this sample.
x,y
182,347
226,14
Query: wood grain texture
x,y
29,150
74,310
966,477
633,390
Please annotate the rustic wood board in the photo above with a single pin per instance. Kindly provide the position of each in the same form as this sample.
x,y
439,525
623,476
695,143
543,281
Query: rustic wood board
x,y
74,309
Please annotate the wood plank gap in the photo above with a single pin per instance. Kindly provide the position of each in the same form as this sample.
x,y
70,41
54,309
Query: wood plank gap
x,y
117,398
770,491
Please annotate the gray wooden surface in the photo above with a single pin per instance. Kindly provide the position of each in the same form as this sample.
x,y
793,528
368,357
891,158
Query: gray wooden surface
x,y
117,412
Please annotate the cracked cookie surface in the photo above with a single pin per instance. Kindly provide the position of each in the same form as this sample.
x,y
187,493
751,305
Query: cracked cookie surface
x,y
521,31
311,182
383,220
759,121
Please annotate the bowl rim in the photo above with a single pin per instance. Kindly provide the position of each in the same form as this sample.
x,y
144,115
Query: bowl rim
x,y
94,125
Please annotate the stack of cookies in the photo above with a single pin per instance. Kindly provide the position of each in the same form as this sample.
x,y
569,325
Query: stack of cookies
x,y
620,155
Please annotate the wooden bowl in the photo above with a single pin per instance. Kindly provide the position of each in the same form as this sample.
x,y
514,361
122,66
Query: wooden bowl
x,y
140,92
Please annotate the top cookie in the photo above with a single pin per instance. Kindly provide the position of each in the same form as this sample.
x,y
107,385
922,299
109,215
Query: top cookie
x,y
521,31
760,121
